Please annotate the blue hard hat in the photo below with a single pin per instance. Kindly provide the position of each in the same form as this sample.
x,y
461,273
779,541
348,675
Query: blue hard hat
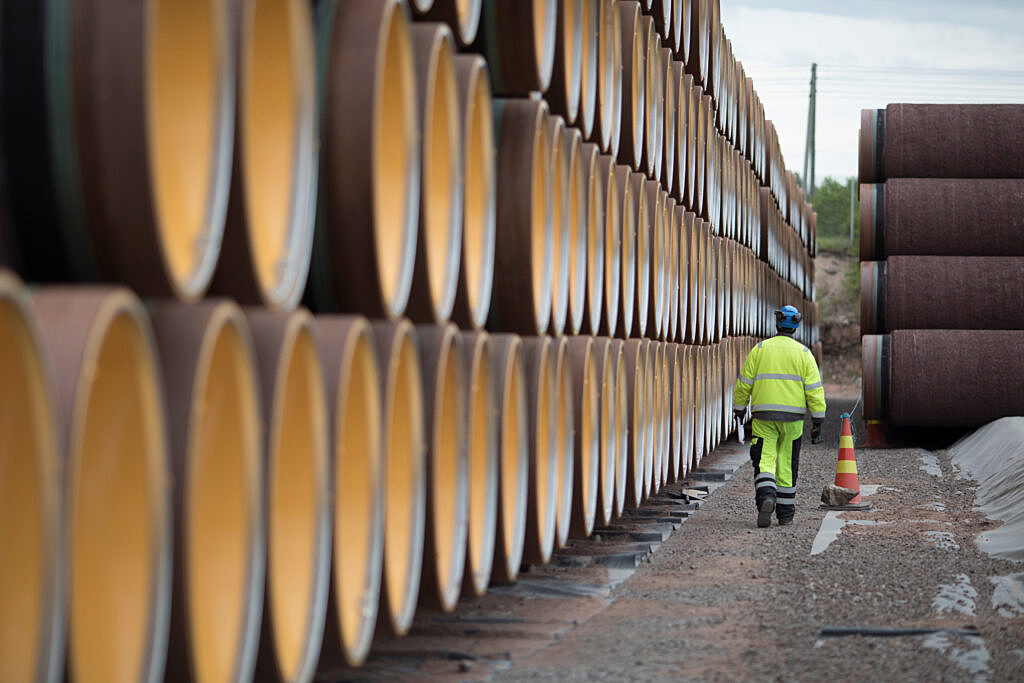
x,y
788,318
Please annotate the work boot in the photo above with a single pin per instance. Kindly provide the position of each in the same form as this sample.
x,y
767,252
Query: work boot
x,y
764,513
785,521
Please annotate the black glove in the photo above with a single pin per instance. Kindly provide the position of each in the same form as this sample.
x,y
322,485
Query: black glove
x,y
816,432
740,413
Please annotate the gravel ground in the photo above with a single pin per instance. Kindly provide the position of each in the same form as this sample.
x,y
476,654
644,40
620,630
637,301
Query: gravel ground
x,y
722,600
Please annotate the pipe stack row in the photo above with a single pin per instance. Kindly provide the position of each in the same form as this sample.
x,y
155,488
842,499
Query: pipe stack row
x,y
338,311
942,263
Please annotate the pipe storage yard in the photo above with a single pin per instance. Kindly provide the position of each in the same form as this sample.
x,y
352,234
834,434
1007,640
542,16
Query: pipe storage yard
x,y
355,306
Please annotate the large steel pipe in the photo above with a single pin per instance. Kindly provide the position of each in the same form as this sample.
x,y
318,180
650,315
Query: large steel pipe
x,y
635,361
650,416
634,70
986,292
541,359
699,54
124,142
658,416
562,228
609,96
655,258
272,207
629,253
654,102
941,216
674,221
589,64
214,418
643,261
577,211
510,373
463,16
298,492
941,141
596,177
565,442
405,485
614,245
673,72
622,427
604,428
943,378
587,432
365,245
32,581
563,95
677,403
444,403
439,243
524,254
354,410
518,40
110,406
476,273
482,454
685,139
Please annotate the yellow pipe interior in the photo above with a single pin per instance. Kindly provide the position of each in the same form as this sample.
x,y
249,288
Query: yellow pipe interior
x,y
357,507
482,470
29,499
540,30
273,71
405,485
297,479
185,72
222,505
440,178
394,140
478,191
448,499
118,459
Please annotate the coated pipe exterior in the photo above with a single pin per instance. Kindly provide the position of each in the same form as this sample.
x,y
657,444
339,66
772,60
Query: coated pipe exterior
x,y
940,217
463,16
565,442
596,177
634,67
986,292
562,228
943,378
941,141
606,429
563,95
587,433
518,40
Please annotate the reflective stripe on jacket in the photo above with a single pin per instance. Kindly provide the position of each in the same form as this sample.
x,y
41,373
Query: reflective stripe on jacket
x,y
780,379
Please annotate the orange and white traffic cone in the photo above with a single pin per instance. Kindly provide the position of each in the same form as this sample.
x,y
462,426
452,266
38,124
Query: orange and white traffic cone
x,y
846,468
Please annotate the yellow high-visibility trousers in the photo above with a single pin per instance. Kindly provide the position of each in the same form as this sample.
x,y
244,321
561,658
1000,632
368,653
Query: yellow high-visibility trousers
x,y
775,453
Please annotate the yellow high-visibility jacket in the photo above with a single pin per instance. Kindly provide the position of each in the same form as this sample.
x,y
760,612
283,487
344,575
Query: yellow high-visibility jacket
x,y
780,379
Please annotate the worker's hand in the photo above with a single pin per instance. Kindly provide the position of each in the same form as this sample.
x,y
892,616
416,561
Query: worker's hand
x,y
740,413
816,432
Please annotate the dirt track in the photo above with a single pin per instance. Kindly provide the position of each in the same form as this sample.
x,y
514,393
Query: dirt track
x,y
723,600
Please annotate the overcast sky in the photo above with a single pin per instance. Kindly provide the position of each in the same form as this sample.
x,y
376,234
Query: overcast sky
x,y
871,53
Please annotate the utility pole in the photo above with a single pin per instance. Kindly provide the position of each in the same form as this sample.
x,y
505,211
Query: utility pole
x,y
809,146
853,205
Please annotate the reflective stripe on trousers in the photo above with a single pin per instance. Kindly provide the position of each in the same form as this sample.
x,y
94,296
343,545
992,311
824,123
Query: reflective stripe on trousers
x,y
775,453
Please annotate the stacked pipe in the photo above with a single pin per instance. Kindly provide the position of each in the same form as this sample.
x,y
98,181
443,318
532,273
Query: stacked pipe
x,y
363,305
942,264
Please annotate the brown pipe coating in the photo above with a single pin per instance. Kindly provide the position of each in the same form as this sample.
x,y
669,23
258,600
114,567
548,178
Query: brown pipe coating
x,y
540,356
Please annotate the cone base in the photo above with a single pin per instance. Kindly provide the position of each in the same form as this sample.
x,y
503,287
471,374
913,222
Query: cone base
x,y
848,506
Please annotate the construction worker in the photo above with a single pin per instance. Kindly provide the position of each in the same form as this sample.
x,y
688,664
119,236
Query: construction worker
x,y
780,378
